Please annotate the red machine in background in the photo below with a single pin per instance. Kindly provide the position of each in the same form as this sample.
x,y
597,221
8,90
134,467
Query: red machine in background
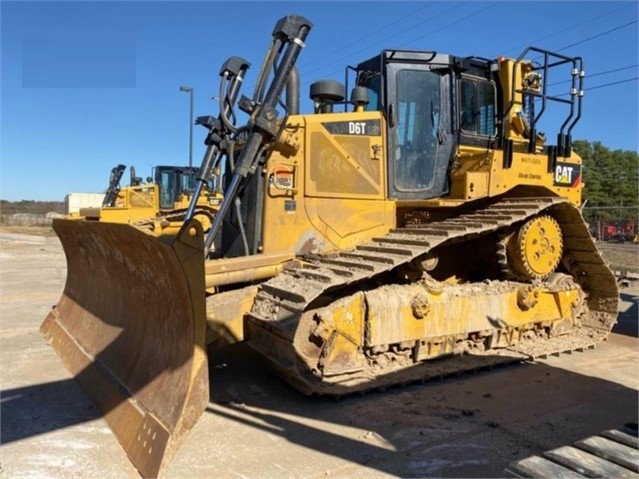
x,y
619,232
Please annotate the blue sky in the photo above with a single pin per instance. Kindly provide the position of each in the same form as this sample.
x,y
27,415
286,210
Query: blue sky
x,y
88,85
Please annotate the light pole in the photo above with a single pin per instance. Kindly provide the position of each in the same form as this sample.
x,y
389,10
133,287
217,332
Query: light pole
x,y
189,90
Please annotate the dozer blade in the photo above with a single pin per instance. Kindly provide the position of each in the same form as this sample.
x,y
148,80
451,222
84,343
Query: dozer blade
x,y
131,327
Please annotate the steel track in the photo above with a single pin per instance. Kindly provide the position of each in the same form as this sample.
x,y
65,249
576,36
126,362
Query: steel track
x,y
281,300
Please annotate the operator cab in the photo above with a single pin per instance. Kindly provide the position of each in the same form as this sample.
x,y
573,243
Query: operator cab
x,y
432,102
174,181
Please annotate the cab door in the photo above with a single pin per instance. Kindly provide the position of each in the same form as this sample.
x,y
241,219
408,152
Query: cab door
x,y
420,136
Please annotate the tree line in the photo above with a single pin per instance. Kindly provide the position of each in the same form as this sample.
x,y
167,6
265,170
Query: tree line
x,y
611,182
30,206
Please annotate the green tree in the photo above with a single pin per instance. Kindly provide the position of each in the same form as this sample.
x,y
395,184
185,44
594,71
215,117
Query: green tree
x,y
611,181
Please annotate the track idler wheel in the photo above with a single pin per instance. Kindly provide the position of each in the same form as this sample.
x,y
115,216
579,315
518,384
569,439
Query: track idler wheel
x,y
535,250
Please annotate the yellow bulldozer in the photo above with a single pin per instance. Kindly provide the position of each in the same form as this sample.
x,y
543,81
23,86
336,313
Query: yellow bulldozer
x,y
157,204
428,218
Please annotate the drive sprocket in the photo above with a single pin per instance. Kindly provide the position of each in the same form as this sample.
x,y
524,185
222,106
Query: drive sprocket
x,y
535,250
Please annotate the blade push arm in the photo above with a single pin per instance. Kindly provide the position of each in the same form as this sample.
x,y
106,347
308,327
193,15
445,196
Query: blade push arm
x,y
263,126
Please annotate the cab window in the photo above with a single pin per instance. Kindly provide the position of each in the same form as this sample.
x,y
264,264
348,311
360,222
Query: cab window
x,y
188,181
168,189
373,84
416,132
477,107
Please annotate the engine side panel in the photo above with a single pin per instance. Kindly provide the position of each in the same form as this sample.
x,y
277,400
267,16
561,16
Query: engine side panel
x,y
330,197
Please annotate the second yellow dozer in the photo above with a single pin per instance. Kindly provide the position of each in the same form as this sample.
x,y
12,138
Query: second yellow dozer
x,y
157,204
426,229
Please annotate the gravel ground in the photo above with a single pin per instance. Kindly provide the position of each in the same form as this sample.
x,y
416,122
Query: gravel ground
x,y
621,257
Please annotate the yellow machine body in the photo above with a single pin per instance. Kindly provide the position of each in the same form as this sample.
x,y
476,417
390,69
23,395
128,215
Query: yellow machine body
x,y
344,255
143,204
336,199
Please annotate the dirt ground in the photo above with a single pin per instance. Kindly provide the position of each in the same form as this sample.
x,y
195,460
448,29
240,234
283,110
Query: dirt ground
x,y
622,257
258,427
